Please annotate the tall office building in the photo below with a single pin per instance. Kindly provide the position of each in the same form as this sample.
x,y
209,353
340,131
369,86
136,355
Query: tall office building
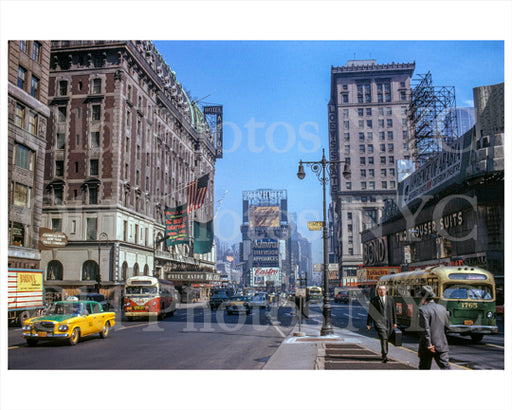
x,y
28,73
369,129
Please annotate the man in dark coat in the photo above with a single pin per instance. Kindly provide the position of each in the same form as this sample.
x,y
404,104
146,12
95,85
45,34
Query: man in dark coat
x,y
381,311
433,343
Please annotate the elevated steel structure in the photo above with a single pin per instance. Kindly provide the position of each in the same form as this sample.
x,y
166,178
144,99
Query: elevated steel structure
x,y
432,117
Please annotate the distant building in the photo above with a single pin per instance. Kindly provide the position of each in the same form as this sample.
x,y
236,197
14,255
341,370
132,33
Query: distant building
x,y
265,234
28,113
124,140
369,129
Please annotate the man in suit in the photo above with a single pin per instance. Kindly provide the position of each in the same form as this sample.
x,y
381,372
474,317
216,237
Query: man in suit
x,y
381,311
433,343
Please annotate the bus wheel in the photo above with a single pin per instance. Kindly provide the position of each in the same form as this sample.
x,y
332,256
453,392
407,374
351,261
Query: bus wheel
x,y
171,313
477,337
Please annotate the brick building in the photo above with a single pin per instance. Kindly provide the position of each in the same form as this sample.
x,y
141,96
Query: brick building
x,y
28,114
124,140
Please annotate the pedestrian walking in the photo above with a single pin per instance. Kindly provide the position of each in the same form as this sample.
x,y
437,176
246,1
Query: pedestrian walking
x,y
381,312
433,342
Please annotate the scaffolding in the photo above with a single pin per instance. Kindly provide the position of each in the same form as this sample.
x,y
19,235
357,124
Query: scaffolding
x,y
432,117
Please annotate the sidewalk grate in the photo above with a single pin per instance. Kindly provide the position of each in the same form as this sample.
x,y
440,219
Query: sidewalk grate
x,y
354,356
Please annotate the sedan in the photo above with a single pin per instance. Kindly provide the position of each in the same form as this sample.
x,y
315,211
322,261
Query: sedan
x,y
237,304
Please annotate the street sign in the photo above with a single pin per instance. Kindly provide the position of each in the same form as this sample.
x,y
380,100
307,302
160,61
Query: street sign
x,y
315,225
301,293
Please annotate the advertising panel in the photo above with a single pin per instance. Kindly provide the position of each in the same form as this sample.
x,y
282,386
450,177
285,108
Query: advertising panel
x,y
260,276
264,217
265,253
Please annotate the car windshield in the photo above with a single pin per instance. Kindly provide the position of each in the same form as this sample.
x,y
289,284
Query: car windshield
x,y
480,292
239,299
65,309
140,290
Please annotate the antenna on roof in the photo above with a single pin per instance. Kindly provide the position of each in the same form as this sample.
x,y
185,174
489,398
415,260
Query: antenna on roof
x,y
201,99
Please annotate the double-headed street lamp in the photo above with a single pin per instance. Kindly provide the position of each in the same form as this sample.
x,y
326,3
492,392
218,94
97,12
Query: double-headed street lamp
x,y
324,174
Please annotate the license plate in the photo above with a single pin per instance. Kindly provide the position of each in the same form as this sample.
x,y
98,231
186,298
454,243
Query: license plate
x,y
139,308
468,322
41,334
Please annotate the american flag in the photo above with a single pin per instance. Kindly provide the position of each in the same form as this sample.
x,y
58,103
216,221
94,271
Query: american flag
x,y
196,192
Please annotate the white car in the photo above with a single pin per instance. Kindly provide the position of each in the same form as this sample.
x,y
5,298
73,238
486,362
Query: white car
x,y
260,301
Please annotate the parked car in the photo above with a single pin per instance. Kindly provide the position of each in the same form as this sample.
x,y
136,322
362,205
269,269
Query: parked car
x,y
238,304
218,297
341,297
68,320
97,297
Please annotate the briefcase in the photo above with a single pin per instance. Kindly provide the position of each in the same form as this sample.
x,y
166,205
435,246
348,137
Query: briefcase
x,y
396,337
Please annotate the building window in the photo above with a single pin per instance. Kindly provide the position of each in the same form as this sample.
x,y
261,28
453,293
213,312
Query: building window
x,y
392,184
93,167
370,160
22,77
390,135
23,46
58,195
32,123
347,149
349,216
61,140
345,113
370,148
347,136
405,134
363,173
402,96
34,87
22,195
19,116
96,112
381,123
95,139
363,185
361,136
369,136
93,195
61,115
24,157
361,123
383,160
391,159
384,185
383,173
368,111
63,88
59,168
90,270
404,122
372,185
362,149
57,224
96,86
346,125
362,161
360,112
371,172
369,123
391,147
392,172
345,98
380,98
36,51
54,271
17,234
382,147
92,228
389,122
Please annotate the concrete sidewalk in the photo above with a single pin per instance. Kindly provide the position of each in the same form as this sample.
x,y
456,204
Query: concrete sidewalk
x,y
345,349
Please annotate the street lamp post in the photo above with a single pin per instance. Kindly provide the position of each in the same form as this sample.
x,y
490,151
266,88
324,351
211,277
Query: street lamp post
x,y
319,168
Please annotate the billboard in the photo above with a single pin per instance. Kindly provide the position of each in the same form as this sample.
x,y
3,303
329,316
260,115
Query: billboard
x,y
265,253
260,276
264,217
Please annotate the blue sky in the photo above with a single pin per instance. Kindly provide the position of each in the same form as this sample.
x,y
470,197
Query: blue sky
x,y
275,96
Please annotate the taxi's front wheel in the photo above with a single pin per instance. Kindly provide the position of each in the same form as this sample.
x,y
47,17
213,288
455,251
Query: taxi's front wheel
x,y
106,329
75,336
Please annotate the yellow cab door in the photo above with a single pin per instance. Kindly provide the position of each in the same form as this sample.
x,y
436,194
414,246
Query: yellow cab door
x,y
97,317
88,326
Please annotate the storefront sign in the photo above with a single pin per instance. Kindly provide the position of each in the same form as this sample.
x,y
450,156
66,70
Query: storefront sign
x,y
315,225
176,225
49,239
375,252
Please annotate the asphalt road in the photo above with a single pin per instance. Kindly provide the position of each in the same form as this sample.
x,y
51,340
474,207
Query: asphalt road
x,y
195,338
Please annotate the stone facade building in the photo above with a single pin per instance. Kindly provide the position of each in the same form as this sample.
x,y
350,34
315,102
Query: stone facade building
x,y
124,140
369,129
28,113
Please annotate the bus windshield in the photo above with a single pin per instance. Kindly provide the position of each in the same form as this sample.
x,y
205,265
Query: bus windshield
x,y
141,290
467,291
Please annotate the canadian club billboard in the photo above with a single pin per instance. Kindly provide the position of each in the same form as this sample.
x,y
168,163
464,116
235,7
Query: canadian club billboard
x,y
260,276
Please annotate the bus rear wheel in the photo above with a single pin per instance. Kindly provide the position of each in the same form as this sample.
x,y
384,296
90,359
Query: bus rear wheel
x,y
477,337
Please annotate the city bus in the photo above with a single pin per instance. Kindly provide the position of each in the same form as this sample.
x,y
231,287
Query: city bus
x,y
468,293
314,294
147,296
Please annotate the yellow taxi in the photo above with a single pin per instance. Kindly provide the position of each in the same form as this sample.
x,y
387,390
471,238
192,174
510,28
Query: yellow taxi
x,y
238,304
68,320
